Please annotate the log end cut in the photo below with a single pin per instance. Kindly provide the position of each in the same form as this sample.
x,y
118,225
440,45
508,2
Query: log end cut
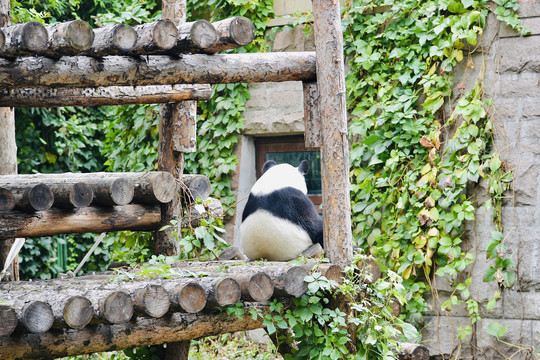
x,y
227,292
116,308
260,287
203,34
8,320
165,34
81,195
34,36
80,35
7,200
152,300
124,37
78,312
164,186
191,297
122,191
242,30
41,197
294,284
37,317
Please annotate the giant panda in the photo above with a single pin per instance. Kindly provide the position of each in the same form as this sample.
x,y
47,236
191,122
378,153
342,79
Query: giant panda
x,y
279,221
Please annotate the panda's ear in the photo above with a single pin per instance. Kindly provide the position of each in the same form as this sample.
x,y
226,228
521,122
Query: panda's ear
x,y
267,165
303,167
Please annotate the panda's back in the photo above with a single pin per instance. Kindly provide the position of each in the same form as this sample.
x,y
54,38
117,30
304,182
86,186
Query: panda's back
x,y
279,225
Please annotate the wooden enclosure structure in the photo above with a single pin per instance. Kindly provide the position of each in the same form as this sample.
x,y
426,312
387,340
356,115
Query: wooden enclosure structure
x,y
71,64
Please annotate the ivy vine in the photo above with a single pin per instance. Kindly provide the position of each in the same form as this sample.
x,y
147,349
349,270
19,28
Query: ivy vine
x,y
413,162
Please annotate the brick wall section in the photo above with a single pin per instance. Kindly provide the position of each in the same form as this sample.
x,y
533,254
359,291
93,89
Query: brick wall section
x,y
512,80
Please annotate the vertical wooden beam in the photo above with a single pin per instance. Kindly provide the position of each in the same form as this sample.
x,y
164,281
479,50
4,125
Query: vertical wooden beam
x,y
312,116
335,144
8,151
177,134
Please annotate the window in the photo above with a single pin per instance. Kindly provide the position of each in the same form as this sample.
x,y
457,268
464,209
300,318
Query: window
x,y
291,150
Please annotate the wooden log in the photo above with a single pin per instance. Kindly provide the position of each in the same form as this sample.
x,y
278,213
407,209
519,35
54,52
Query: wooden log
x,y
112,40
189,297
222,292
369,270
155,37
152,300
192,217
314,251
31,197
194,37
71,196
145,187
116,308
78,312
101,96
233,32
196,186
8,319
68,38
138,332
184,132
24,39
37,317
8,153
413,352
90,219
2,39
232,253
7,200
255,287
84,71
134,217
312,116
335,147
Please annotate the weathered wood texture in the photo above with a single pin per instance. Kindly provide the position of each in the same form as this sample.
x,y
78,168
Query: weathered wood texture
x,y
8,319
68,38
2,39
152,187
101,96
135,217
195,186
7,200
112,40
89,219
232,33
8,150
31,197
85,71
157,36
335,146
312,116
194,37
24,39
138,332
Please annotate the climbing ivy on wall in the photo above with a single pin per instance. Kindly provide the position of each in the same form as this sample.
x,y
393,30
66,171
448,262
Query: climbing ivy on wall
x,y
413,159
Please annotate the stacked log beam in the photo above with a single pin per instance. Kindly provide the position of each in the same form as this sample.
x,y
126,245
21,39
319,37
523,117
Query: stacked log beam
x,y
84,71
68,38
24,39
113,95
118,39
232,33
155,37
194,37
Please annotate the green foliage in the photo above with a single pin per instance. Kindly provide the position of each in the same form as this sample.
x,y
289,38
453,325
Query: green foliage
x,y
362,329
410,165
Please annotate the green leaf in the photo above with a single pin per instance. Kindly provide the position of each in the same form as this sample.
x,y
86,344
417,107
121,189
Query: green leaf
x,y
495,329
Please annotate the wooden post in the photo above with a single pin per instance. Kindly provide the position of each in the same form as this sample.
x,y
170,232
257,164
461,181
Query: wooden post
x,y
175,119
8,151
335,145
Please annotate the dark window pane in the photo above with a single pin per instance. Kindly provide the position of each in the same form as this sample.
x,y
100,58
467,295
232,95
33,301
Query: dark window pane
x,y
313,177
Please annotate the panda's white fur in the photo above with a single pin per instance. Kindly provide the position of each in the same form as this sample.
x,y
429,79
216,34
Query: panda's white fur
x,y
279,217
278,177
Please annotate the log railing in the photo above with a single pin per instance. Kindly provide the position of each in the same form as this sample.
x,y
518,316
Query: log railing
x,y
68,311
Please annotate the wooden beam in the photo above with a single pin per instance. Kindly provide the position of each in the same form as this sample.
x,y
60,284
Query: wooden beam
x,y
138,332
24,39
112,40
232,33
312,116
83,71
335,145
68,38
8,152
102,96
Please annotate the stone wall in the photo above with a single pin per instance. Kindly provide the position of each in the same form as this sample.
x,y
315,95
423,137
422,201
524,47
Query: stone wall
x,y
511,67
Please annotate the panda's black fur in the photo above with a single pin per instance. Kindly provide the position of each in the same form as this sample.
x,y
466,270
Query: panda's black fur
x,y
279,220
